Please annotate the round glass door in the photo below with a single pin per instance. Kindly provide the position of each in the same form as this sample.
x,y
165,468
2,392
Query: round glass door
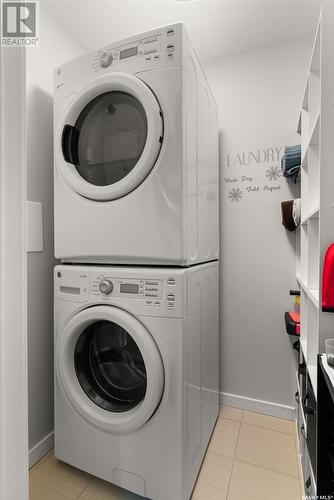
x,y
110,367
112,132
108,137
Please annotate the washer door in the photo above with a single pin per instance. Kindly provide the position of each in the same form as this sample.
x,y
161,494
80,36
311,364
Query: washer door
x,y
109,137
110,368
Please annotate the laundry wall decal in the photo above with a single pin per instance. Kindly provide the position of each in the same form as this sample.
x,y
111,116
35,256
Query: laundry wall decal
x,y
264,173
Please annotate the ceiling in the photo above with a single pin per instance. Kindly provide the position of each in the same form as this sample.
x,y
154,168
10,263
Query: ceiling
x,y
217,28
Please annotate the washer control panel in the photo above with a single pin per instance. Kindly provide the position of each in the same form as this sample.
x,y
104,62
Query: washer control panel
x,y
153,295
150,289
152,292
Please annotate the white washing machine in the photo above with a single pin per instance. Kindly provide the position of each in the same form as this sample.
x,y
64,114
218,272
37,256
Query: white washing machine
x,y
136,155
136,374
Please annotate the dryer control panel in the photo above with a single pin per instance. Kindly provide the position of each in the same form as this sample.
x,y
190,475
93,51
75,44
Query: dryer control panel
x,y
159,48
153,47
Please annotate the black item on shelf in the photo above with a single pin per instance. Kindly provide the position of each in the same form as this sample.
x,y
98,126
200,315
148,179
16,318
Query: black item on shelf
x,y
325,435
287,218
302,369
294,292
310,411
296,345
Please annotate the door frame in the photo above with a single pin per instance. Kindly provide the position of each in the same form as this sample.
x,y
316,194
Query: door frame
x,y
13,278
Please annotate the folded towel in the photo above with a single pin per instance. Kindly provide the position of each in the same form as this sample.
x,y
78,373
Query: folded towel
x,y
296,212
291,161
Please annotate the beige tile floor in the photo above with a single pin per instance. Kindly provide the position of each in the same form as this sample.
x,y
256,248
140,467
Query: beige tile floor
x,y
250,457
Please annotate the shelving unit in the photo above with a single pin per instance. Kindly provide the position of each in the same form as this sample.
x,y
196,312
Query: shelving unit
x,y
316,233
316,126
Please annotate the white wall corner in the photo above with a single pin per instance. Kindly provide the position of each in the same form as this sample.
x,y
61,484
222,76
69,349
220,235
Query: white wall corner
x,y
34,230
258,406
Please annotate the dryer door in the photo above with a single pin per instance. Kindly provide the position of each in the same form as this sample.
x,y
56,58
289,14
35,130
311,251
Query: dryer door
x,y
110,368
109,137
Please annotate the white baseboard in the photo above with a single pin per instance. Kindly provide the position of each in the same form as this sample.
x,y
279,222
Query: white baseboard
x,y
41,449
258,406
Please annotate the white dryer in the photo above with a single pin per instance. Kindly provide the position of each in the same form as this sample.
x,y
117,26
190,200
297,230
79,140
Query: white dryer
x,y
136,374
136,154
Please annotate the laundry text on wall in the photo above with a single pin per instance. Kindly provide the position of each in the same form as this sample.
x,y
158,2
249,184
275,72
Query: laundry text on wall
x,y
249,158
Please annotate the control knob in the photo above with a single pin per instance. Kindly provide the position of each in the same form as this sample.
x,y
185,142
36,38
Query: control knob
x,y
106,286
106,60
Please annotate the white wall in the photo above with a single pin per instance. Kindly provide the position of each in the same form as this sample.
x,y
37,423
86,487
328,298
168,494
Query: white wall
x,y
56,47
258,95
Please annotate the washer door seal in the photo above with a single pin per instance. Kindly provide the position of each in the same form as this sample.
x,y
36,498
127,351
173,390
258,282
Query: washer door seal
x,y
109,368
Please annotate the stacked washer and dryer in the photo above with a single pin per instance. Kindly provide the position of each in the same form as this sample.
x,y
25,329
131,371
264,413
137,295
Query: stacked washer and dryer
x,y
136,294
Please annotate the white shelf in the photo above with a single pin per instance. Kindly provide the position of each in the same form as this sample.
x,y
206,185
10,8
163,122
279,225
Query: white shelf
x,y
314,214
314,177
314,136
303,321
304,157
304,253
314,296
328,369
303,344
315,64
304,188
314,103
298,263
312,371
300,404
298,386
313,254
312,343
305,139
311,293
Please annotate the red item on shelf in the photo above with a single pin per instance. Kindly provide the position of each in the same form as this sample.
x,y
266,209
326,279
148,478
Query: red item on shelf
x,y
292,322
328,280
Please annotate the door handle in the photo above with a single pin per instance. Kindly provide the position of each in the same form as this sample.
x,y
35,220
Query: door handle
x,y
69,144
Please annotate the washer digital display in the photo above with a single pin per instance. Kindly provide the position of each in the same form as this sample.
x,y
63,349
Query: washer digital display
x,y
132,51
129,288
